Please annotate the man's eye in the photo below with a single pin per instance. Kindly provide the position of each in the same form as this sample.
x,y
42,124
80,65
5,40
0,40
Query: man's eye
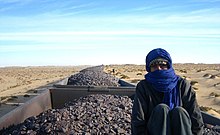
x,y
163,65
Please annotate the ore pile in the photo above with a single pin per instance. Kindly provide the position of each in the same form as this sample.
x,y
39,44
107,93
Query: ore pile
x,y
93,76
90,115
93,114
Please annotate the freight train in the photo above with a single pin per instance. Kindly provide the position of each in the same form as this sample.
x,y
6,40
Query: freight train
x,y
61,93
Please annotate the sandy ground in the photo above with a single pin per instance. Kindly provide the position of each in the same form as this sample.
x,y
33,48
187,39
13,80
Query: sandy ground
x,y
19,84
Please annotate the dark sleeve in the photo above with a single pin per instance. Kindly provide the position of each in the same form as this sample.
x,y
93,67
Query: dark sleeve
x,y
192,107
138,122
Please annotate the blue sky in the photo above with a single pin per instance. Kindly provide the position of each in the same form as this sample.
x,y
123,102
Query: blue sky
x,y
93,32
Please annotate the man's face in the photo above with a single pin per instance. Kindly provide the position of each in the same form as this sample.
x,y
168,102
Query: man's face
x,y
158,65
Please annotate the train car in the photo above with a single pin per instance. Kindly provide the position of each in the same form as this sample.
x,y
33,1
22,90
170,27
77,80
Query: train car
x,y
61,93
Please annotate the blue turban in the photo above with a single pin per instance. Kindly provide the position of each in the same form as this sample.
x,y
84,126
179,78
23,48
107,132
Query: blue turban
x,y
163,80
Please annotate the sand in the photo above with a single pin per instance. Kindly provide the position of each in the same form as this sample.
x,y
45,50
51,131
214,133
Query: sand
x,y
20,84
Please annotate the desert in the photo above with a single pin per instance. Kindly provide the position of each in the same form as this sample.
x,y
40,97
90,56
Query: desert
x,y
20,84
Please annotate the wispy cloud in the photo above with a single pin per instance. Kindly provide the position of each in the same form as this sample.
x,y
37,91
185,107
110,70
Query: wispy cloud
x,y
102,34
7,5
43,47
97,38
69,8
46,8
206,12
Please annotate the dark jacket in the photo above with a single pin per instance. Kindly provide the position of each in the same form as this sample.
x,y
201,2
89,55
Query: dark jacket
x,y
146,98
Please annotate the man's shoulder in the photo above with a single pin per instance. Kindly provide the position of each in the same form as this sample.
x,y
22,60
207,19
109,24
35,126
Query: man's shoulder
x,y
183,81
143,85
184,86
142,82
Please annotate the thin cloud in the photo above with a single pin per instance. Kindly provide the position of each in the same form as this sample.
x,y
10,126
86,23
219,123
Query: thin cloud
x,y
42,47
206,12
102,36
69,8
51,7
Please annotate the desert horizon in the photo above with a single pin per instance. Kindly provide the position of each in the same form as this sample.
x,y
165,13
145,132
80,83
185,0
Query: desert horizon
x,y
21,83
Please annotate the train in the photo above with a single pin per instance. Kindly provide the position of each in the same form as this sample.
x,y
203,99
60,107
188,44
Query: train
x,y
61,93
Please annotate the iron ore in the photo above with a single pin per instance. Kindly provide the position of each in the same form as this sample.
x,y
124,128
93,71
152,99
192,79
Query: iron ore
x,y
94,114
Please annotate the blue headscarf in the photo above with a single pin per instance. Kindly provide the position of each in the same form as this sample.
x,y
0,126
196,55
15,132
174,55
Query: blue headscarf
x,y
163,80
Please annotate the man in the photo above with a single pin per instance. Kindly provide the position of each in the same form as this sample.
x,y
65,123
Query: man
x,y
164,103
